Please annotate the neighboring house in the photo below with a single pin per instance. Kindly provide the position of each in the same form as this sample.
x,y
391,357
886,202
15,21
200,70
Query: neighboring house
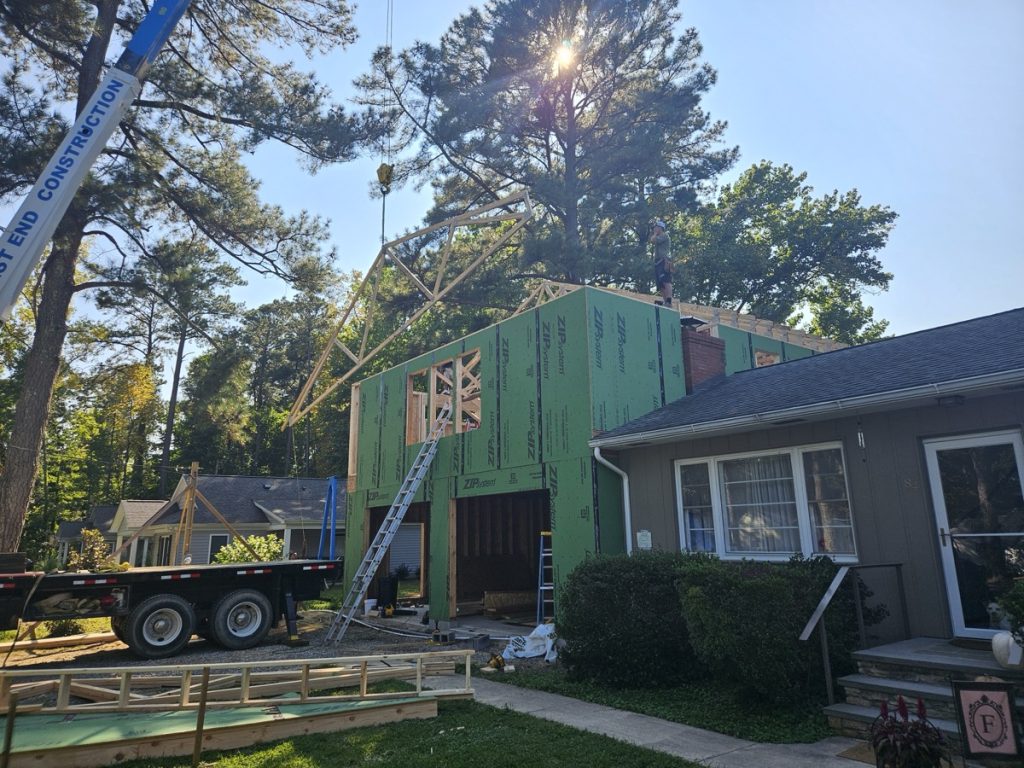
x,y
69,532
290,508
528,394
904,451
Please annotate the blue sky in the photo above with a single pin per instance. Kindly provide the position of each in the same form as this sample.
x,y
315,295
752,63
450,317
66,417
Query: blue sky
x,y
916,103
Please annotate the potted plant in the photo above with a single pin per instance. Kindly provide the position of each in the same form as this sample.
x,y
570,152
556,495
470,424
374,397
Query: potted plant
x,y
900,742
1008,647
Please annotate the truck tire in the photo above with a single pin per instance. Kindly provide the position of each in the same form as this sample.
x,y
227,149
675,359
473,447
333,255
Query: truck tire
x,y
117,627
241,619
160,626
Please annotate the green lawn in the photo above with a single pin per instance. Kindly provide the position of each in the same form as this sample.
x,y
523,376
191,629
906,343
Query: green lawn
x,y
464,735
704,705
101,624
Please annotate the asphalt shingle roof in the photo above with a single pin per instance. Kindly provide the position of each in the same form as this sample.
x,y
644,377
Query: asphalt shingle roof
x,y
236,497
138,511
983,346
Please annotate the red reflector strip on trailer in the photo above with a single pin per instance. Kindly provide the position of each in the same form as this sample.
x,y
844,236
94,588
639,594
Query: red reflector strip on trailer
x,y
327,567
8,585
92,582
177,576
252,572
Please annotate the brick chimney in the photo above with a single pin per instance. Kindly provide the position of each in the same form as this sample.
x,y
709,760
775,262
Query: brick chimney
x,y
703,358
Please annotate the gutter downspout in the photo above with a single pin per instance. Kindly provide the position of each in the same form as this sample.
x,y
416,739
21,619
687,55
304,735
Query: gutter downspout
x,y
627,516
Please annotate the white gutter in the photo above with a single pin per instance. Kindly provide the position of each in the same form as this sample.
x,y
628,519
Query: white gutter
x,y
955,386
627,515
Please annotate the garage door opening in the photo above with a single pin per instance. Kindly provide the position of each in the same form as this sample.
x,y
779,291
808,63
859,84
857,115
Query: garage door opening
x,y
497,551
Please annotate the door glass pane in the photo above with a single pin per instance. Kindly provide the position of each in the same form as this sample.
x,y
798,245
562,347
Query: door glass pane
x,y
982,494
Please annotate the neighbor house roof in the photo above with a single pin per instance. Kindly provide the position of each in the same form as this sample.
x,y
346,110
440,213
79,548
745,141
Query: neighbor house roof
x,y
102,515
139,511
987,352
98,517
245,500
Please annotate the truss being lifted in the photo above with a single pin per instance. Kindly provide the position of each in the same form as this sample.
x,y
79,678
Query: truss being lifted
x,y
515,208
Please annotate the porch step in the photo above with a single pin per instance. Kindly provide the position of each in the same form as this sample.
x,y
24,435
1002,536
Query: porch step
x,y
868,691
931,660
855,720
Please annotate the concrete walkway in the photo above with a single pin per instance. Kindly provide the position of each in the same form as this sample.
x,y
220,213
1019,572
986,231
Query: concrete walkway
x,y
700,746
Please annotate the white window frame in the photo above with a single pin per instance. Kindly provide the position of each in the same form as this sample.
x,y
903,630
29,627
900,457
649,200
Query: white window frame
x,y
210,554
803,511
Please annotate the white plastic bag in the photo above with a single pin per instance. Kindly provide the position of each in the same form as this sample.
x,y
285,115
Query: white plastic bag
x,y
540,642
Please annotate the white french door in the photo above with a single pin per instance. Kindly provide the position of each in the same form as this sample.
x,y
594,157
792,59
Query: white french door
x,y
979,510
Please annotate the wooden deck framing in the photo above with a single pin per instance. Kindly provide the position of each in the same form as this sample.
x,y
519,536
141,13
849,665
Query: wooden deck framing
x,y
258,683
548,290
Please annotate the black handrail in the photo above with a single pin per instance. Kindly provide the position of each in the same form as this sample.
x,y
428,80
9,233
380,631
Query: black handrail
x,y
826,600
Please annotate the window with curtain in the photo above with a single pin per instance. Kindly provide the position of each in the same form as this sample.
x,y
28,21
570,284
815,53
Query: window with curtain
x,y
772,504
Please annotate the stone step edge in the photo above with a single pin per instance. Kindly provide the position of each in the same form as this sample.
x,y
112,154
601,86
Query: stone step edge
x,y
867,715
896,685
906,687
871,656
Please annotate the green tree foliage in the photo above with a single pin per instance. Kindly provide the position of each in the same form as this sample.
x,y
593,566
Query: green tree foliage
x,y
266,547
594,107
94,556
176,165
768,246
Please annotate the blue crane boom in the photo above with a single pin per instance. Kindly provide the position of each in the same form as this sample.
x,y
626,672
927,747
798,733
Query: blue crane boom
x,y
23,241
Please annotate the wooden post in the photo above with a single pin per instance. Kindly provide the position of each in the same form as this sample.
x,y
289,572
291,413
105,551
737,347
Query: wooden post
x,y
64,692
244,696
186,688
304,683
362,679
453,596
197,749
123,694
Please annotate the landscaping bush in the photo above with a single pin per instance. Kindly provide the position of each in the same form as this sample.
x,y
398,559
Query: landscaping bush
x,y
267,548
622,622
744,620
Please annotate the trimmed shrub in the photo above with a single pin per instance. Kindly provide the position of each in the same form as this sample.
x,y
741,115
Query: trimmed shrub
x,y
744,620
622,622
267,548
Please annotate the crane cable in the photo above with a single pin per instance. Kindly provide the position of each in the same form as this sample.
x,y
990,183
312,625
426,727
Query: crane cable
x,y
385,171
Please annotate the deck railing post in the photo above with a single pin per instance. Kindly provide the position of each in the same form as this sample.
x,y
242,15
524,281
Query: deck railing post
x,y
827,663
903,601
858,610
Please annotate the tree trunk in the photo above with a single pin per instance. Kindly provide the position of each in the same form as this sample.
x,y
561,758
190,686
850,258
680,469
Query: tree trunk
x,y
33,407
572,202
165,453
43,360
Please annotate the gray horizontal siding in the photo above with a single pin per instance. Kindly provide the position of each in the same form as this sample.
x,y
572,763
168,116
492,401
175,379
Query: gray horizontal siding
x,y
888,481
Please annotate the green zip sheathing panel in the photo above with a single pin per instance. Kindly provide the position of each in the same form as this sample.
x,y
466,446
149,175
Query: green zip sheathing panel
x,y
550,379
40,733
635,358
611,526
742,347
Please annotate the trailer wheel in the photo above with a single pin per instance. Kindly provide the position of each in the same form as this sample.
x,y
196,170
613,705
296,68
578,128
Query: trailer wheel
x,y
160,626
241,619
117,627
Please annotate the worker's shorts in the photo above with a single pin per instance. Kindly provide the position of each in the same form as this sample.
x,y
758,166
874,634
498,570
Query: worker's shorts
x,y
662,272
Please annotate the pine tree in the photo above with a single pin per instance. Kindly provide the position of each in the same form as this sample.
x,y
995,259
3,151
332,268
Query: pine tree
x,y
176,164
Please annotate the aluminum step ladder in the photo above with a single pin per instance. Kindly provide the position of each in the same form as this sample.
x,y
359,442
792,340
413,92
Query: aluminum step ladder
x,y
379,546
545,580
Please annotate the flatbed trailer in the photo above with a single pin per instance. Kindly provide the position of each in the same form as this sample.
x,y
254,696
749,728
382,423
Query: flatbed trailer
x,y
156,610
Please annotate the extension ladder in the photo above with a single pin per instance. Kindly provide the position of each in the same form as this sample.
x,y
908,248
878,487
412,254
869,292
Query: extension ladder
x,y
545,580
379,546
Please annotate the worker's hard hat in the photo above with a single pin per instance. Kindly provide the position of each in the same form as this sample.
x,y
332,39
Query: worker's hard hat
x,y
658,223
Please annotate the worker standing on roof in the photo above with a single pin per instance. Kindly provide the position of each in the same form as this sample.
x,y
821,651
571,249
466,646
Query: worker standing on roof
x,y
662,261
